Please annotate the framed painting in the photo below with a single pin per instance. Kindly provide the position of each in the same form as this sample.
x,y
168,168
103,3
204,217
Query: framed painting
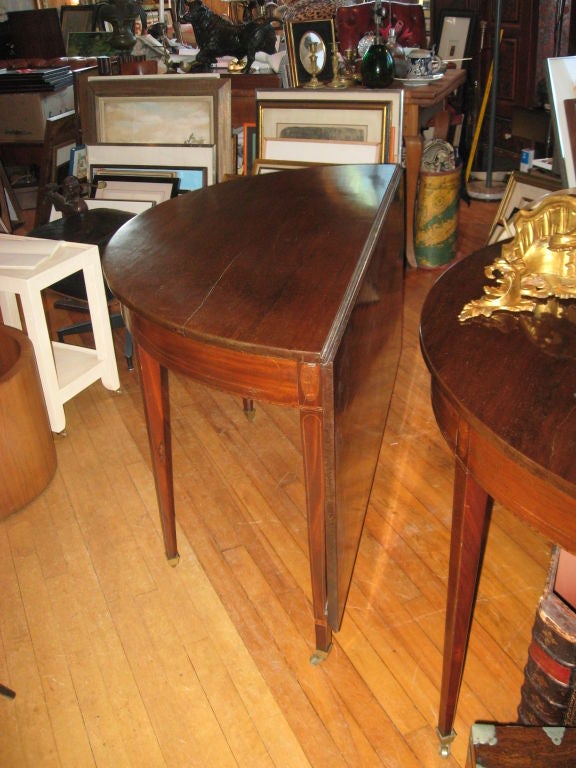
x,y
372,116
76,18
323,152
143,120
184,110
521,191
310,45
194,165
262,166
112,186
88,44
454,36
561,72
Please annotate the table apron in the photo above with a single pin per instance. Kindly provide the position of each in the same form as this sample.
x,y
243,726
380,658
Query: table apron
x,y
259,377
514,482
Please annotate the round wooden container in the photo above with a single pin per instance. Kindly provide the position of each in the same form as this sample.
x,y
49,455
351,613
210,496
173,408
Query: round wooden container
x,y
436,235
27,451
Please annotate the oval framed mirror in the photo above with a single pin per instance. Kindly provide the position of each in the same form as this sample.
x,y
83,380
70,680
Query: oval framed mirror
x,y
305,51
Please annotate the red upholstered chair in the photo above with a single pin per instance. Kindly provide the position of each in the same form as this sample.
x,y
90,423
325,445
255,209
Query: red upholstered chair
x,y
353,21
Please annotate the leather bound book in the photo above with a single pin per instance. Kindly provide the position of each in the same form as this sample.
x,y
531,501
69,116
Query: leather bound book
x,y
548,695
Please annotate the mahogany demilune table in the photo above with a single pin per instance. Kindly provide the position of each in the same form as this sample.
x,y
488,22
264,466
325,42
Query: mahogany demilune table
x,y
504,397
285,288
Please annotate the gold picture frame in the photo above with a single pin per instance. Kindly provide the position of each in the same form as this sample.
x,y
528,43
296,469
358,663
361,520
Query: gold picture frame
x,y
299,34
329,115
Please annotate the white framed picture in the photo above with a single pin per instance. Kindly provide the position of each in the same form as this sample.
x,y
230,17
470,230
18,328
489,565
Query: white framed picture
x,y
455,34
329,152
377,115
108,187
164,156
522,191
561,73
262,166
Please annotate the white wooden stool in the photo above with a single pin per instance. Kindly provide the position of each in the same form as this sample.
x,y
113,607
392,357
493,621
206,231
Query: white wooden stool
x,y
27,266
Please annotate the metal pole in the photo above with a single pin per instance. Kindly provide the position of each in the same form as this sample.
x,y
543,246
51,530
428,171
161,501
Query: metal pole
x,y
494,94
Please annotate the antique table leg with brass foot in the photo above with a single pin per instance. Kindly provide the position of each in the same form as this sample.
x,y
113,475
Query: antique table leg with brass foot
x,y
470,519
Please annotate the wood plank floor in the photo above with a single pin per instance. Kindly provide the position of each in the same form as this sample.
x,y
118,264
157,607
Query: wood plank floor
x,y
119,660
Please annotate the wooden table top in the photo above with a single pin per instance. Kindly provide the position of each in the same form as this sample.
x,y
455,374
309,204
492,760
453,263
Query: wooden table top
x,y
206,264
513,377
434,92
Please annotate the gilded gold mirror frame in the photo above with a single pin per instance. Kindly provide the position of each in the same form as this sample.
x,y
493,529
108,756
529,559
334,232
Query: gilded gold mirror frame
x,y
537,264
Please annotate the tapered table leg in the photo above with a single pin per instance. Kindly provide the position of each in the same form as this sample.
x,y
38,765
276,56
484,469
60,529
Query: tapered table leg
x,y
470,520
313,450
157,408
413,146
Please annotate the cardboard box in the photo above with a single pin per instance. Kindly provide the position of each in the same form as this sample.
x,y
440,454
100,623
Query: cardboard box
x,y
23,115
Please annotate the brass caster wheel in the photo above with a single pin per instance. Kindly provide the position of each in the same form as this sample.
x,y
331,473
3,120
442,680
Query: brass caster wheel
x,y
445,742
318,657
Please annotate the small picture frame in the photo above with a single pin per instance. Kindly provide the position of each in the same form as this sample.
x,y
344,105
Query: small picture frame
x,y
195,165
262,166
137,187
76,18
454,36
78,164
299,37
561,73
324,152
522,189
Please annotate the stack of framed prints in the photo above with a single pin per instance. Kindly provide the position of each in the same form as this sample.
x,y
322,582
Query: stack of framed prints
x,y
333,127
170,119
522,191
143,172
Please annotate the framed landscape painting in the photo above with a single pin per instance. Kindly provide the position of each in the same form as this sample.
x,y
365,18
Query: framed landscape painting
x,y
159,110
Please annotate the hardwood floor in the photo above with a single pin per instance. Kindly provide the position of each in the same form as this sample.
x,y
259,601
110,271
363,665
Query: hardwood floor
x,y
119,660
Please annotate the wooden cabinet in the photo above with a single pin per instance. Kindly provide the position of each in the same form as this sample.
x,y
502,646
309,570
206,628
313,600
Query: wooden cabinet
x,y
244,89
518,49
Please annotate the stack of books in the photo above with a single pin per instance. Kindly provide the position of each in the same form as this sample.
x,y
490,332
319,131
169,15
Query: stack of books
x,y
27,80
